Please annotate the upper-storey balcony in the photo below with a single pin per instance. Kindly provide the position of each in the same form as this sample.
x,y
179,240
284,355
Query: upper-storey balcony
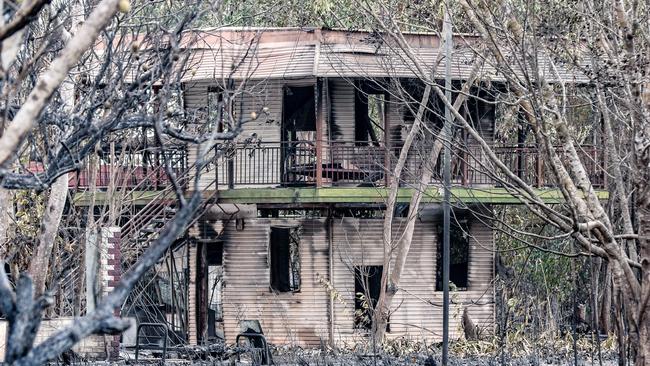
x,y
329,133
339,164
350,164
137,170
349,133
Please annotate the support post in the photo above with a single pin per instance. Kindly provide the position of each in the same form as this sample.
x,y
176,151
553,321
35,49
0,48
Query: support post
x,y
446,177
465,163
319,132
330,262
192,322
90,268
540,170
387,162
231,171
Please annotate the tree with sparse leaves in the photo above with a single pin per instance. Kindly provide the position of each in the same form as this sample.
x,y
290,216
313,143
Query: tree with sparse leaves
x,y
78,77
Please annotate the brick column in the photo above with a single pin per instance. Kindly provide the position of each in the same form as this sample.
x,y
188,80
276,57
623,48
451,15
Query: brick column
x,y
191,299
192,326
111,272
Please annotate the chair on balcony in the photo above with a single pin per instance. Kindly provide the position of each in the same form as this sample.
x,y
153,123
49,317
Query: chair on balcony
x,y
363,165
299,163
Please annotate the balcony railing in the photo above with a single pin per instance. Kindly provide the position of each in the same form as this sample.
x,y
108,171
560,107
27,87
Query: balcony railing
x,y
361,163
340,164
141,170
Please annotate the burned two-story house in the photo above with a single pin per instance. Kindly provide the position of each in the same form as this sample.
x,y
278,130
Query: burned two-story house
x,y
298,240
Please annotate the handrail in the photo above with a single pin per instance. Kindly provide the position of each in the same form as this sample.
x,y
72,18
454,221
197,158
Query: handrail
x,y
153,209
152,204
362,162
178,156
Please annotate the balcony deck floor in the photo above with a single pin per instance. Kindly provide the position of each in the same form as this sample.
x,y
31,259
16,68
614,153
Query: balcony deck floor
x,y
372,195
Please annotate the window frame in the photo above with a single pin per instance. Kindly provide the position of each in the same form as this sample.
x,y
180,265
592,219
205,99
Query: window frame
x,y
294,268
464,226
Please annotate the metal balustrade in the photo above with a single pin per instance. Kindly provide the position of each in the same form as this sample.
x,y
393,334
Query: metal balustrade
x,y
144,170
362,163
296,163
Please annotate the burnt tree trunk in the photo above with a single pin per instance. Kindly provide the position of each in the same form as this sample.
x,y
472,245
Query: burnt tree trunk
x,y
606,302
391,278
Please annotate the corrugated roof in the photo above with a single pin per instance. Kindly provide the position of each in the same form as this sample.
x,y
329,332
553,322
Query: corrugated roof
x,y
259,53
260,62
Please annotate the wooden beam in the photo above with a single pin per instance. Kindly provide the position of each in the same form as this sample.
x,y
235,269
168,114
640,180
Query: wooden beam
x,y
378,195
360,195
320,123
387,142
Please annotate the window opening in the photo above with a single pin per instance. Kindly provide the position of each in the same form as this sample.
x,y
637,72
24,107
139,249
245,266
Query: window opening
x,y
367,286
216,110
214,261
458,256
299,113
298,134
284,257
370,114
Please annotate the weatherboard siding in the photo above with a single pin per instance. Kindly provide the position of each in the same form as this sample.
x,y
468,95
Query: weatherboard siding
x,y
302,318
289,318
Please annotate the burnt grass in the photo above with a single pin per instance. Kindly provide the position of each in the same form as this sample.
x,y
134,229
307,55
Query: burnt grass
x,y
403,353
434,358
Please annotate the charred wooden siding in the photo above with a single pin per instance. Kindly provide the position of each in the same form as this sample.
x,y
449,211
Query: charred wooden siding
x,y
417,306
267,127
481,276
287,318
342,93
359,243
302,318
395,115
342,110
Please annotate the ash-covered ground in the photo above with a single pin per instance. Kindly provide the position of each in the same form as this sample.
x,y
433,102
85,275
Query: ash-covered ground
x,y
540,356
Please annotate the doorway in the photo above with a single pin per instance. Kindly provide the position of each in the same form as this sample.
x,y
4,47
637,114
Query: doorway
x,y
298,135
210,291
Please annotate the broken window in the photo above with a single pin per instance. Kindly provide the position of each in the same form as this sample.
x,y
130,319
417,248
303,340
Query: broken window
x,y
369,113
367,286
284,258
458,255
